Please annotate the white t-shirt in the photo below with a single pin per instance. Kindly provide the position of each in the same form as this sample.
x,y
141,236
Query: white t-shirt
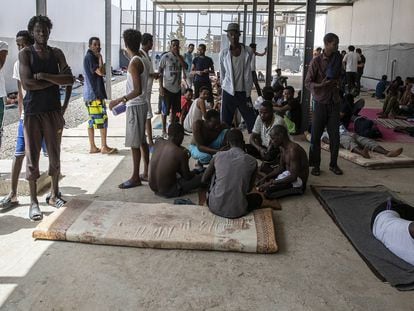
x,y
264,132
393,232
3,47
16,73
351,59
193,115
296,184
141,99
16,76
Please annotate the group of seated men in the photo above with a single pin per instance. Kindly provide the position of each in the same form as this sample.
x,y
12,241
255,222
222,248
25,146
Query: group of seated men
x,y
398,95
223,152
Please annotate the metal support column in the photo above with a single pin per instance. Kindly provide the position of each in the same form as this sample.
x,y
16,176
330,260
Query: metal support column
x,y
254,21
244,23
138,14
108,46
270,30
41,7
154,28
164,47
309,41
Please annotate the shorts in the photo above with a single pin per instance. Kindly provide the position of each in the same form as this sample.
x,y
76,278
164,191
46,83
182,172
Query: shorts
x,y
47,127
20,143
350,142
171,102
98,118
1,117
204,157
136,117
149,90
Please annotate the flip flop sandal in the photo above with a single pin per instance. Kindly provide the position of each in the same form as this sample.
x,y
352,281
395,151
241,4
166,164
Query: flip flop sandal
x,y
110,151
183,202
98,150
128,184
59,202
8,203
35,213
50,195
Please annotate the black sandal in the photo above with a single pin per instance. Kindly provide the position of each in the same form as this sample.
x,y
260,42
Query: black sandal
x,y
59,201
6,203
50,195
35,214
336,170
316,171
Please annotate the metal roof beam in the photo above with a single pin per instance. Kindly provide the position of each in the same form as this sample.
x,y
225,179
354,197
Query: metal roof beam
x,y
227,3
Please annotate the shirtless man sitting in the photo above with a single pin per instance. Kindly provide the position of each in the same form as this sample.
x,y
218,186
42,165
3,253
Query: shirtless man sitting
x,y
169,174
208,137
291,175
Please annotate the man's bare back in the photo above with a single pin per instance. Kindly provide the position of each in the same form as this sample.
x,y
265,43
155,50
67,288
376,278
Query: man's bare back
x,y
204,135
296,160
168,160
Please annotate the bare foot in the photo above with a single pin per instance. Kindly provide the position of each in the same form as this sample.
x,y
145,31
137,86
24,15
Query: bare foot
x,y
365,153
107,150
394,153
95,150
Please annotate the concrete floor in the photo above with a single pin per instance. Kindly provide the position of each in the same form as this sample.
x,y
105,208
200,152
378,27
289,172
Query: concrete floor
x,y
315,269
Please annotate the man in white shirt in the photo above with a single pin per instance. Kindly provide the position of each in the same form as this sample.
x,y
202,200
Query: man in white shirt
x,y
393,225
236,79
260,146
3,54
350,62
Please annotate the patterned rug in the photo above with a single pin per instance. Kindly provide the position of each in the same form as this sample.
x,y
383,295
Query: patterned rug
x,y
158,226
393,123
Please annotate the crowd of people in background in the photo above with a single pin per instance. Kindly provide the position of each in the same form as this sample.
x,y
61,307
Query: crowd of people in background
x,y
213,107
232,177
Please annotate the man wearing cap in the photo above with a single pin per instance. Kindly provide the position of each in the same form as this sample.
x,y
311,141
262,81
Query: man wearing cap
x,y
3,54
236,79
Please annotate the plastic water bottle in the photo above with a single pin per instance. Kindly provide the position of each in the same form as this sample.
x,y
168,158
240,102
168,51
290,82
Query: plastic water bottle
x,y
118,109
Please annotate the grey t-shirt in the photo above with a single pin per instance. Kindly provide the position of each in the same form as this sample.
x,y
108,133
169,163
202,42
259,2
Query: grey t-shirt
x,y
172,69
228,189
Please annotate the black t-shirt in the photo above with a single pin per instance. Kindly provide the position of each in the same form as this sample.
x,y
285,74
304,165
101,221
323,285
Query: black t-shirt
x,y
346,109
94,84
202,63
48,99
295,112
360,70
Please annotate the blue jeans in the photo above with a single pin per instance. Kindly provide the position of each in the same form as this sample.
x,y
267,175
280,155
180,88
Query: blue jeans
x,y
1,117
229,105
204,157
